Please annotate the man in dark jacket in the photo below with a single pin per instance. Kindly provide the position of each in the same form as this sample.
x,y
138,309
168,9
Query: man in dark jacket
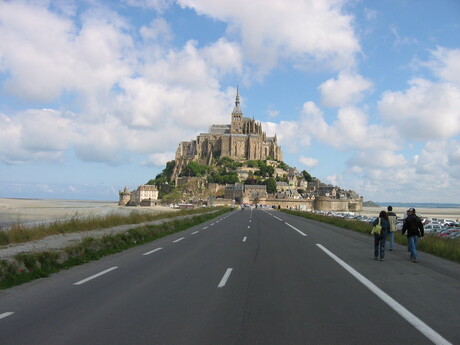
x,y
414,227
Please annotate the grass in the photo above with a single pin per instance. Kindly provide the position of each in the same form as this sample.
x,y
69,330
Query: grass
x,y
19,233
26,267
446,248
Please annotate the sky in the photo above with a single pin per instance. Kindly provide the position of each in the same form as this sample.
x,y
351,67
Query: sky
x,y
96,95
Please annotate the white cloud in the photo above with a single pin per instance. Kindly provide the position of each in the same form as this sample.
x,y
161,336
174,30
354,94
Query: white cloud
x,y
159,159
425,111
350,130
347,89
35,135
304,33
141,106
158,29
445,64
309,162
377,159
88,60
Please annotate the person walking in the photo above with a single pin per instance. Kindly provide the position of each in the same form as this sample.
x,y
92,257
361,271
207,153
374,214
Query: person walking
x,y
392,219
414,227
380,239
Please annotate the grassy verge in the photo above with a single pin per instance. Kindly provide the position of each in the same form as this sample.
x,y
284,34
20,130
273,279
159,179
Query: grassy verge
x,y
26,267
19,233
446,248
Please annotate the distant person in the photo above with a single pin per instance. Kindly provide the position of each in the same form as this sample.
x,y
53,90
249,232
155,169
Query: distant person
x,y
381,239
414,227
392,219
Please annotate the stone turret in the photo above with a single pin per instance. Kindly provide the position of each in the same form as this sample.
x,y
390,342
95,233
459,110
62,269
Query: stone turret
x,y
125,197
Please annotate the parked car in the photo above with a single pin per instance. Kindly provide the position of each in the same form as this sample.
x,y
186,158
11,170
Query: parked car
x,y
448,232
449,222
454,235
432,228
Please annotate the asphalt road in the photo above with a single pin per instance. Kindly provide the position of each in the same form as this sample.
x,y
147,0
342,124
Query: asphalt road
x,y
246,277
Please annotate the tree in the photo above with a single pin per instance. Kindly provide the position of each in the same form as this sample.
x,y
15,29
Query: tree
x,y
283,166
195,169
174,196
271,185
307,176
164,176
270,170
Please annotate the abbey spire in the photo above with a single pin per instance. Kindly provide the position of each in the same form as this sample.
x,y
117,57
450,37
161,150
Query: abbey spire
x,y
237,109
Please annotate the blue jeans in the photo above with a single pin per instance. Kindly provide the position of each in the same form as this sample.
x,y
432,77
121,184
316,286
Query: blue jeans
x,y
379,245
392,240
412,246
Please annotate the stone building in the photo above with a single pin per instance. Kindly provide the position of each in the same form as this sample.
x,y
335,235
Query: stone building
x,y
234,192
144,195
242,139
255,194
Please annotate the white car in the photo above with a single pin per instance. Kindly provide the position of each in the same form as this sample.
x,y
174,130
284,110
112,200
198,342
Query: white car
x,y
432,228
448,222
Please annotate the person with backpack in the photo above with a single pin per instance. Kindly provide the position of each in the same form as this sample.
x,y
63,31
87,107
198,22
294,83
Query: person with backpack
x,y
414,227
380,239
392,219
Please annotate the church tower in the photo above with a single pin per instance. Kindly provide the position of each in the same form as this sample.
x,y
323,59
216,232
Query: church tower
x,y
237,116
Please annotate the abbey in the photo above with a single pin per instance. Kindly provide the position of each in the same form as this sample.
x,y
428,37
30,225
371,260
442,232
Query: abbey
x,y
243,139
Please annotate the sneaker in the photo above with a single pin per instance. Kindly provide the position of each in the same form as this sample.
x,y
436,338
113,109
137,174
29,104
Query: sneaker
x,y
391,249
414,260
375,258
381,259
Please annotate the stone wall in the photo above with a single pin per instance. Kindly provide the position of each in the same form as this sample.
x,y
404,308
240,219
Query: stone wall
x,y
323,203
295,204
320,203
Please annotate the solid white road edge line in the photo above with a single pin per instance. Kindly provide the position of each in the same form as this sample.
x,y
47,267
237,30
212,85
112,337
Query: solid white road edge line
x,y
426,330
244,238
95,276
179,239
225,278
300,232
2,316
152,251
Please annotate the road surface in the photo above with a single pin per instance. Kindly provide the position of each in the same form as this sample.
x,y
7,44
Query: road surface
x,y
246,277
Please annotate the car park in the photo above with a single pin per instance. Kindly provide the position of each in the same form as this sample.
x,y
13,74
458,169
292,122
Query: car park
x,y
449,222
454,235
433,228
446,233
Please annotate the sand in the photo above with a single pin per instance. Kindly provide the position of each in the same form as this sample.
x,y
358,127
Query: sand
x,y
33,211
429,213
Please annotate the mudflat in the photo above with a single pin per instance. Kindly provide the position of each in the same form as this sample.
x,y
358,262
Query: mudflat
x,y
31,211
429,213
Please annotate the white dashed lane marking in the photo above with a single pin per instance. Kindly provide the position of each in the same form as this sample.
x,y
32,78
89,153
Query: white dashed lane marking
x,y
95,276
152,251
2,316
225,278
293,227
